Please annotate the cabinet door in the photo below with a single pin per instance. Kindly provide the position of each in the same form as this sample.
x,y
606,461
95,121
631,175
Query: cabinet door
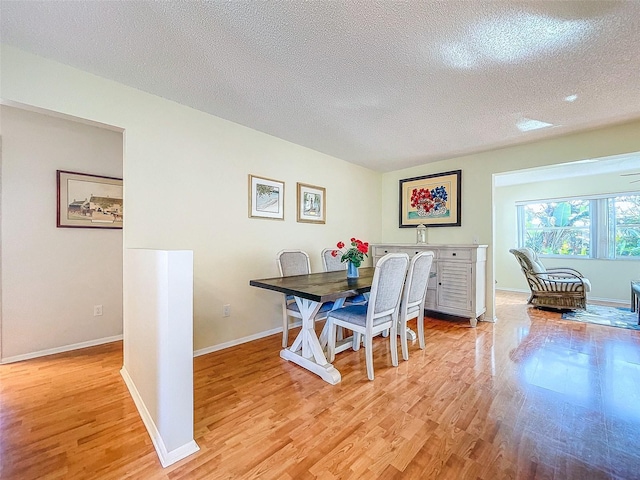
x,y
454,285
432,288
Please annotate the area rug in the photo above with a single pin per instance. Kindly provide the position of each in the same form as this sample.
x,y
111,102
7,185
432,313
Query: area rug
x,y
609,316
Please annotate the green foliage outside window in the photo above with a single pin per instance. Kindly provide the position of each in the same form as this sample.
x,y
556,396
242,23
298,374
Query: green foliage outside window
x,y
567,227
558,228
627,225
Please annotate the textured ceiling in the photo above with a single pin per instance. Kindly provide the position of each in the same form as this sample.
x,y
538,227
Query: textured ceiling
x,y
382,84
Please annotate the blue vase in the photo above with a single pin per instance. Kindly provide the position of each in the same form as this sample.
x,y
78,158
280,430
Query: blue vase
x,y
352,270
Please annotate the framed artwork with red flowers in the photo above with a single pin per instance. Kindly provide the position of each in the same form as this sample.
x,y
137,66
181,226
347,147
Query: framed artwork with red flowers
x,y
432,200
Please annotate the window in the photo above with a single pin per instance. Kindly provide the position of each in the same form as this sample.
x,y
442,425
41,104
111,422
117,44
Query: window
x,y
602,226
626,230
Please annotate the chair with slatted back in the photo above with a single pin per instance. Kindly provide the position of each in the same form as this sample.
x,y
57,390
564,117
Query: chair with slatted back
x,y
558,288
379,314
290,263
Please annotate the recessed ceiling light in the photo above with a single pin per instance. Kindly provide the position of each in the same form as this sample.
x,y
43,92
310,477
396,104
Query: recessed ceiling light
x,y
571,98
527,124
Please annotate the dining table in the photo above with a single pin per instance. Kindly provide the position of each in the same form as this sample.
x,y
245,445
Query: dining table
x,y
310,292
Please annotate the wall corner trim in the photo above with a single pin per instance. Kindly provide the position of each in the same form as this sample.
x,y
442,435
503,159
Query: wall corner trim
x,y
166,458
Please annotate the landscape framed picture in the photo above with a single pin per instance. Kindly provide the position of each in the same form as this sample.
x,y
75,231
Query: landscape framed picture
x,y
311,204
89,201
266,198
432,200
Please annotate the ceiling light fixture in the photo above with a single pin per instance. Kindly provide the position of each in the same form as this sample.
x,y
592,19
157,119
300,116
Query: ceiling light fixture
x,y
571,98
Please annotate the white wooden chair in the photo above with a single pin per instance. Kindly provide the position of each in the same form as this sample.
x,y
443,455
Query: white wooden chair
x,y
331,263
379,314
413,298
290,263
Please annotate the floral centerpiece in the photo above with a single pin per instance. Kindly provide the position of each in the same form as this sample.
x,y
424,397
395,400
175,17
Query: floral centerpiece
x,y
354,255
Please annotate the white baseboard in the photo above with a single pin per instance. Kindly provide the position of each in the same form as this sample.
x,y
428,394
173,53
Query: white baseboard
x,y
516,290
166,458
239,341
66,348
589,297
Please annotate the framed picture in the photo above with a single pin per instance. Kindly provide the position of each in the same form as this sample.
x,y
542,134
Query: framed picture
x,y
266,198
432,200
311,203
89,201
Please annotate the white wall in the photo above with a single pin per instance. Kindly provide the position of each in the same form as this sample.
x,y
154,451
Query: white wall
x,y
610,279
186,179
158,350
52,277
477,183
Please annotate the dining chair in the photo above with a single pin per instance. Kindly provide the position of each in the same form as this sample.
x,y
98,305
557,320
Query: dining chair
x,y
379,314
331,263
413,298
290,263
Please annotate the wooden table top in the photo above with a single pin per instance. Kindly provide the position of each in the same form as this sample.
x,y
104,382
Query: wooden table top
x,y
320,287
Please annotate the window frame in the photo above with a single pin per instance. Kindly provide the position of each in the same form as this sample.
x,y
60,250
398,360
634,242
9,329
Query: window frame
x,y
602,226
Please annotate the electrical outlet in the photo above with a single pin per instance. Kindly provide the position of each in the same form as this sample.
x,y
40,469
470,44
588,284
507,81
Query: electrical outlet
x,y
226,310
97,310
476,240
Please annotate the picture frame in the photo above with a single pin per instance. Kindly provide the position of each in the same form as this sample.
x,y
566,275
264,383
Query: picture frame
x,y
266,198
431,200
89,201
311,203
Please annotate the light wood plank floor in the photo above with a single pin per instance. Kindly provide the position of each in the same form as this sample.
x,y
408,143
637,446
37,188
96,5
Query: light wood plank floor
x,y
532,396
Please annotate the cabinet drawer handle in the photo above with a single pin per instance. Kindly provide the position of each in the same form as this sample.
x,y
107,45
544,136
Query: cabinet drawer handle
x,y
386,251
453,254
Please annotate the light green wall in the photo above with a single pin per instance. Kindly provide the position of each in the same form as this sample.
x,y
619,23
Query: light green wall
x,y
186,182
186,187
477,183
609,278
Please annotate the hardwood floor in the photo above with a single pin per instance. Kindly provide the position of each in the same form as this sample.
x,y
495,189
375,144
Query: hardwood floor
x,y
532,396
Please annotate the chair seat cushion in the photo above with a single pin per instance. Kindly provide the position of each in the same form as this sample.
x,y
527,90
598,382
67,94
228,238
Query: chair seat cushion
x,y
356,315
325,307
356,299
413,311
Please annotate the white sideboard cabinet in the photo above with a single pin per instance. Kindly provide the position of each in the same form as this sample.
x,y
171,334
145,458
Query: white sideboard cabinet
x,y
457,283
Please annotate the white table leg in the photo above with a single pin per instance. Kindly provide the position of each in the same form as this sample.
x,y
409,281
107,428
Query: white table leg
x,y
306,350
339,303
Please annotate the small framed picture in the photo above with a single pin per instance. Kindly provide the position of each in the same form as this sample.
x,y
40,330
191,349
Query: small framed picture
x,y
311,204
266,198
89,201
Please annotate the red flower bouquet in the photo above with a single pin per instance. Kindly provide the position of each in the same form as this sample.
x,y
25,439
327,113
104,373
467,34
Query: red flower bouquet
x,y
354,254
